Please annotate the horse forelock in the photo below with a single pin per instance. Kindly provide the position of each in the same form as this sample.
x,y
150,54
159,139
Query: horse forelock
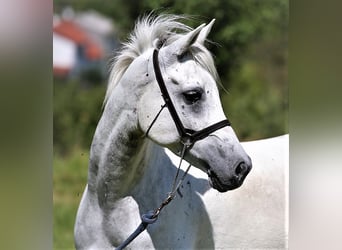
x,y
164,29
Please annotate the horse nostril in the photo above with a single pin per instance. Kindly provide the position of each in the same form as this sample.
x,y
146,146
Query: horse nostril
x,y
242,169
239,169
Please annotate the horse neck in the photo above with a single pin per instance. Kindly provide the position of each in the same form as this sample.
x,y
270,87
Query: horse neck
x,y
119,154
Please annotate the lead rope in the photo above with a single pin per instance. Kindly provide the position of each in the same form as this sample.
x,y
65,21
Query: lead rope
x,y
152,216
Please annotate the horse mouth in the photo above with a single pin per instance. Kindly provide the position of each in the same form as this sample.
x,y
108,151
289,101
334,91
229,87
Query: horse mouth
x,y
217,184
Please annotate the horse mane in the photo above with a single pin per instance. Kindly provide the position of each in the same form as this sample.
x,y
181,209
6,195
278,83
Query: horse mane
x,y
164,29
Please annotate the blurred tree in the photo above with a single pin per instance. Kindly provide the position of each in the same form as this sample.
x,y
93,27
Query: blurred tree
x,y
238,23
250,54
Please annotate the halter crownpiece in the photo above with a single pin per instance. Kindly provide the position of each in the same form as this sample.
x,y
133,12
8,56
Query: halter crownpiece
x,y
187,136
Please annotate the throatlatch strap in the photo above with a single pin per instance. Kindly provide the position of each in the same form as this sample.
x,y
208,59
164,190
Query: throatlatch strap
x,y
154,120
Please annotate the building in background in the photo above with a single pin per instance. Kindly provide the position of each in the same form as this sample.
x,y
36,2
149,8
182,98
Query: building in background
x,y
82,44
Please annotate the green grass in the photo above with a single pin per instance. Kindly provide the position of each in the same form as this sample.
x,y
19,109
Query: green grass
x,y
69,180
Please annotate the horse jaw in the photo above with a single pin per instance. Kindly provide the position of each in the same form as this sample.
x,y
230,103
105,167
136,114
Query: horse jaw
x,y
222,157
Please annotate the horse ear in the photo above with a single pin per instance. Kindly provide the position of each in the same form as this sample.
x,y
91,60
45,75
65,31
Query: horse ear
x,y
202,36
181,45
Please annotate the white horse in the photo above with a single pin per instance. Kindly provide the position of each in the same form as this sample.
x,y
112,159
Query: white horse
x,y
131,174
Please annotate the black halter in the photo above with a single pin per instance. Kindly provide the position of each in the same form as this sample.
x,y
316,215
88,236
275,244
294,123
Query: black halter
x,y
188,136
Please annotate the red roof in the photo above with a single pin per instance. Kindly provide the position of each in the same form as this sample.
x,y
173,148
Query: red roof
x,y
75,33
60,71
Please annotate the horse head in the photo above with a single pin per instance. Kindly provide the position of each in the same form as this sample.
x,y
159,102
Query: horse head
x,y
190,77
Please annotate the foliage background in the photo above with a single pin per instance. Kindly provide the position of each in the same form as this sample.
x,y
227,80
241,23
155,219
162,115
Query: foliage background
x,y
251,58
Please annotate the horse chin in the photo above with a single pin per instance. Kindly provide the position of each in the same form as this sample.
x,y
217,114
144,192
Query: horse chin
x,y
217,184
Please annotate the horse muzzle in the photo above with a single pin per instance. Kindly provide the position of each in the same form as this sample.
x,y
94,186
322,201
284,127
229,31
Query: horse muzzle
x,y
223,183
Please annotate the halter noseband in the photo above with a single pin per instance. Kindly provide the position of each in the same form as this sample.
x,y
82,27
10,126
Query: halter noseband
x,y
187,136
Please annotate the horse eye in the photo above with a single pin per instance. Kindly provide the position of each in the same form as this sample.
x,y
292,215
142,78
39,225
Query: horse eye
x,y
192,96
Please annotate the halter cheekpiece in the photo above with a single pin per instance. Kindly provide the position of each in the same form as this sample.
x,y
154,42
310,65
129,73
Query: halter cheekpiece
x,y
187,136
